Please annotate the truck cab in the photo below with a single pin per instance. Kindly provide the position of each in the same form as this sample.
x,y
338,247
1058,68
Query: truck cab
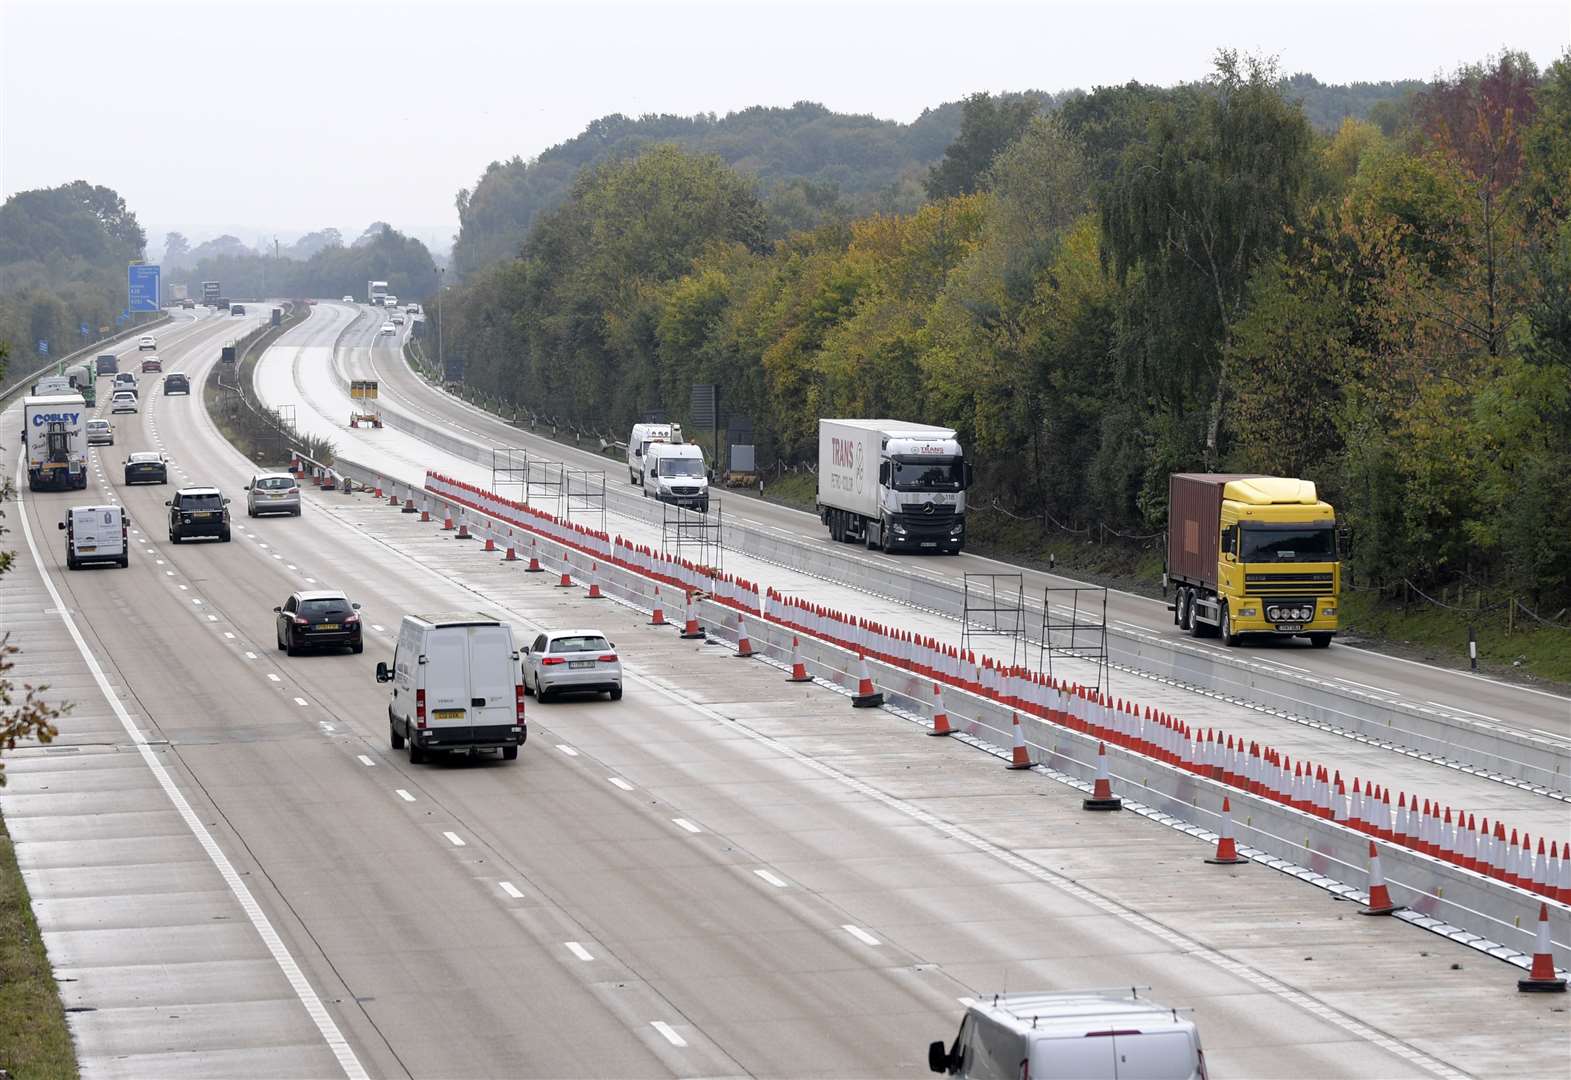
x,y
893,485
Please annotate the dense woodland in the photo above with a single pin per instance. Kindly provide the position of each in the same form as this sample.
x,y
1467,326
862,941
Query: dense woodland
x,y
1103,289
318,264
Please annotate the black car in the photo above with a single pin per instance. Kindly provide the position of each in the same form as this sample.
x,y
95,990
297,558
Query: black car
x,y
176,383
198,511
146,467
237,309
317,618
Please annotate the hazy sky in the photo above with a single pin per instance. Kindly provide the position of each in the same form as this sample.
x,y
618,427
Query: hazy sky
x,y
291,116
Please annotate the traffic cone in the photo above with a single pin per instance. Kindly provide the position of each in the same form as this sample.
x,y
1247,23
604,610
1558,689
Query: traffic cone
x,y
744,644
1102,797
691,631
1226,850
866,696
409,504
566,581
447,520
463,527
490,542
940,715
1542,978
392,498
798,668
534,566
1379,896
425,511
594,581
511,556
657,618
1019,756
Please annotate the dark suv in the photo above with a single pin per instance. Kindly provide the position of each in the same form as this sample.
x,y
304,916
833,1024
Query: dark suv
x,y
318,617
176,383
198,511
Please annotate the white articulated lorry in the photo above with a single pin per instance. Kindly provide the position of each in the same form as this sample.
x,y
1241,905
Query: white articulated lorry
x,y
892,484
54,432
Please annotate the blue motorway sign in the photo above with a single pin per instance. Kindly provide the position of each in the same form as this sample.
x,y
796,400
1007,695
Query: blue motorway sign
x,y
43,347
85,330
142,281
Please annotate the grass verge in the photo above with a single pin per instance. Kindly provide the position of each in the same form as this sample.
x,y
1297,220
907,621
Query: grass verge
x,y
252,428
34,1038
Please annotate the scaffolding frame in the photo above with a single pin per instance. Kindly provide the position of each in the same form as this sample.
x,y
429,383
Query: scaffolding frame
x,y
583,490
989,610
683,531
542,482
510,467
1083,637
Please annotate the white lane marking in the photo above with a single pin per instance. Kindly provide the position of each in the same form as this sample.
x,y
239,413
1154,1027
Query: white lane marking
x,y
311,580
260,544
454,839
259,922
277,556
683,823
212,618
229,634
578,950
404,795
568,750
185,588
167,573
1469,712
250,656
1292,667
767,876
272,677
511,890
1365,686
292,566
619,782
861,935
669,1032
377,628
326,726
367,762
301,702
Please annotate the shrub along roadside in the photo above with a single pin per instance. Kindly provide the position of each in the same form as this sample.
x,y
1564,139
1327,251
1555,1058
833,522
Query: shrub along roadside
x,y
251,427
34,1038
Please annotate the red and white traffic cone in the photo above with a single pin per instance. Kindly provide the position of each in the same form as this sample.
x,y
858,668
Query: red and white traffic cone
x,y
594,581
1379,896
534,566
1541,979
490,541
1102,797
463,527
1019,755
447,520
657,618
940,714
691,631
409,504
867,695
566,581
1226,851
425,510
798,668
744,644
392,498
511,556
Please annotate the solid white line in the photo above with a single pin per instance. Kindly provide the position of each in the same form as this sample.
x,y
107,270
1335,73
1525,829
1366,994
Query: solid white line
x,y
454,839
683,823
568,750
578,950
861,935
367,762
767,876
619,782
669,1032
1366,686
275,944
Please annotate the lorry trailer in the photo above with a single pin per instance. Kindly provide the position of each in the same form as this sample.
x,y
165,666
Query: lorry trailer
x,y
1251,555
892,485
54,433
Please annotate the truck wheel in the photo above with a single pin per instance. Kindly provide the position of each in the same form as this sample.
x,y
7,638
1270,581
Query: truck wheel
x,y
1228,637
394,739
70,562
1181,610
1320,641
417,756
1196,627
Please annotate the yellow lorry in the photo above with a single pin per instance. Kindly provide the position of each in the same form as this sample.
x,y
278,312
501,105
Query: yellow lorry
x,y
1251,555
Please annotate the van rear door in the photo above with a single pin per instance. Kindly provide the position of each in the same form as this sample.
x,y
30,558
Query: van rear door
x,y
95,531
447,677
1155,1055
492,677
1074,1057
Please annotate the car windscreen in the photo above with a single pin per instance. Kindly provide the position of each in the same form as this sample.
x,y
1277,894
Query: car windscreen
x,y
98,425
201,502
145,458
124,395
335,607
275,483
580,643
681,467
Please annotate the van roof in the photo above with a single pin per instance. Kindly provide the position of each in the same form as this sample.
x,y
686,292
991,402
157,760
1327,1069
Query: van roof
x,y
1074,1012
676,450
94,509
458,618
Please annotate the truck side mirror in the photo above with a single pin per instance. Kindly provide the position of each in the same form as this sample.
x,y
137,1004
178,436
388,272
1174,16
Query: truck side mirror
x,y
937,1057
60,524
883,472
382,674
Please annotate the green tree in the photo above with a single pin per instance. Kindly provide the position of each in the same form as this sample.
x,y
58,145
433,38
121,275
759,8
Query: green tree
x,y
987,126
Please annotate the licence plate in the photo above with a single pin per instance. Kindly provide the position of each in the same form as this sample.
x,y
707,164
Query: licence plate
x,y
1289,626
580,663
327,626
929,543
448,714
203,514
87,547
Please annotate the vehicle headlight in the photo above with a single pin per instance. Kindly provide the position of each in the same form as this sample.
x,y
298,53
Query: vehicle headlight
x,y
1248,612
957,530
899,529
1328,611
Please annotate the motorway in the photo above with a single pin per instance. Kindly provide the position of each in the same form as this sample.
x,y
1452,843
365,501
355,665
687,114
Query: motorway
x,y
1425,686
719,875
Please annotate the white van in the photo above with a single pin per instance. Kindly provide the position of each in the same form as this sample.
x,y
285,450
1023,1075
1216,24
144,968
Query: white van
x,y
638,443
457,685
95,534
1078,1035
676,474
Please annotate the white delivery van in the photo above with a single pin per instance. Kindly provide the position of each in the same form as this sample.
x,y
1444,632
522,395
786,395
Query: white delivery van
x,y
95,534
1078,1035
676,474
638,444
457,685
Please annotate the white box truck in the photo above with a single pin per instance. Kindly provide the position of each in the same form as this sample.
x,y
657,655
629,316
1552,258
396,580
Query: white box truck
x,y
376,293
54,431
892,484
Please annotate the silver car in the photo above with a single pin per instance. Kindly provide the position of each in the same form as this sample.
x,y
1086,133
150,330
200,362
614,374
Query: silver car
x,y
572,661
272,493
122,401
100,433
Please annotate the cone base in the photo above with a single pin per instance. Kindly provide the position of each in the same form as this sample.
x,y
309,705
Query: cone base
x,y
1391,909
799,678
748,655
535,570
693,635
946,731
867,701
658,622
1541,986
1018,766
1236,860
409,510
1102,804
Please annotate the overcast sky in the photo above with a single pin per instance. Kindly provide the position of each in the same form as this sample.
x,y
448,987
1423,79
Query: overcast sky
x,y
291,116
